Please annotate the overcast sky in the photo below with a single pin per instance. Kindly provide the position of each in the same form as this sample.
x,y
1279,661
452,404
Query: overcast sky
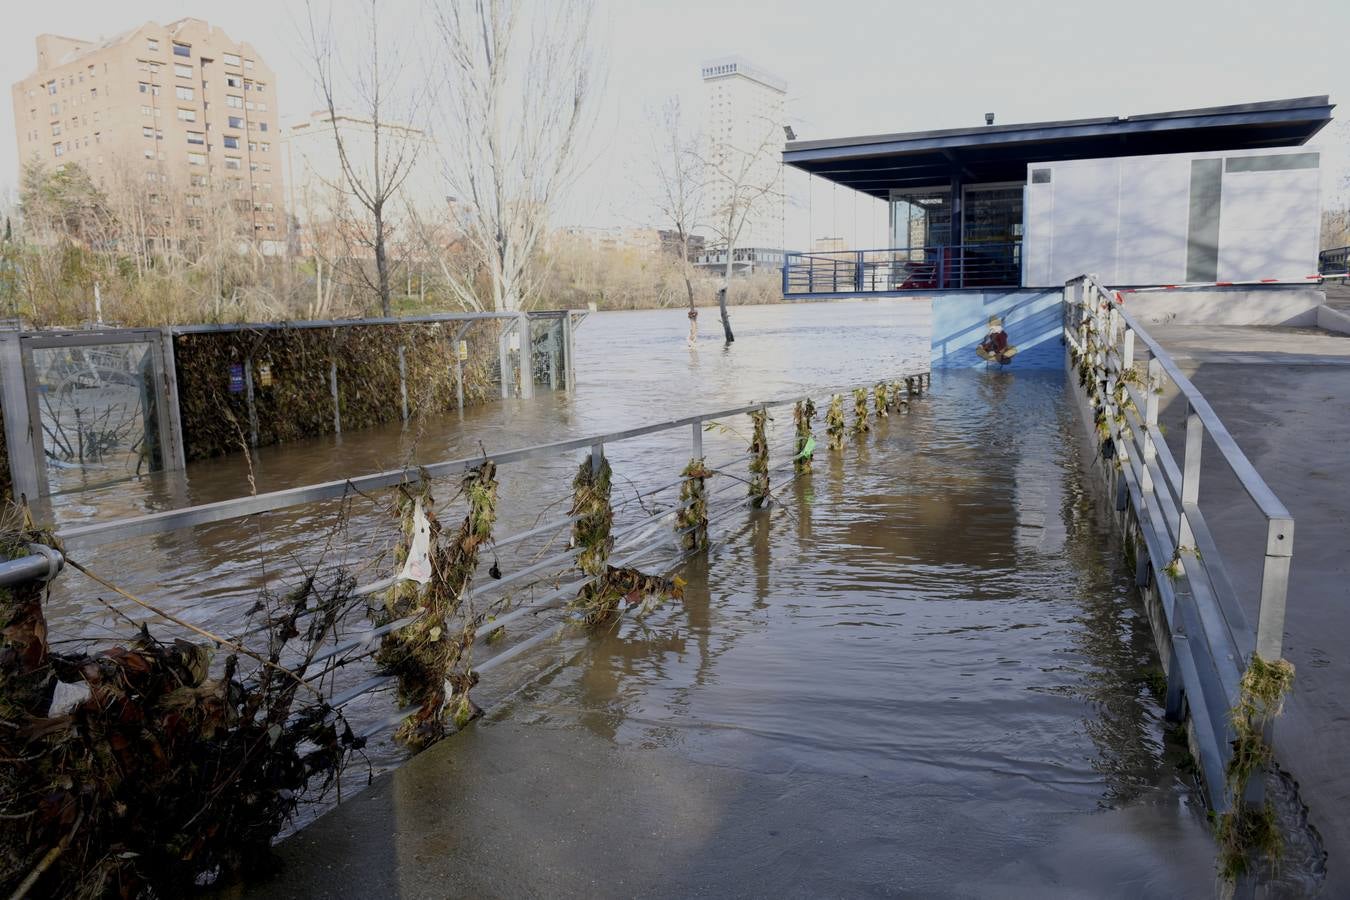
x,y
852,66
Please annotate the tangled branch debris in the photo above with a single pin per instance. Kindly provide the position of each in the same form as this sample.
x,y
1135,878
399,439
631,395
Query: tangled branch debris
x,y
834,422
430,655
759,460
805,444
154,770
692,519
598,601
1247,829
594,515
860,425
880,400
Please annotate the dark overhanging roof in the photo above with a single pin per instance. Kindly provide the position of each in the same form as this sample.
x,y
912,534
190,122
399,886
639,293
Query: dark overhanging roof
x,y
874,164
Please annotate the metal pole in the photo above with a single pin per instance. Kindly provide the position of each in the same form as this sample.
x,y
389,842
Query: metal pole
x,y
1190,474
333,390
252,410
1274,588
526,357
504,358
1150,428
569,335
597,456
459,365
554,354
20,430
403,379
697,443
171,419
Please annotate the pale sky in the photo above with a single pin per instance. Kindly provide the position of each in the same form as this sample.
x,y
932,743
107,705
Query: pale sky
x,y
852,66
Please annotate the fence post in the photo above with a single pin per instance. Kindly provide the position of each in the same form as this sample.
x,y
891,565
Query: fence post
x,y
252,409
697,441
858,272
786,258
504,358
569,383
1190,474
1274,587
403,379
21,432
526,357
459,363
170,417
333,390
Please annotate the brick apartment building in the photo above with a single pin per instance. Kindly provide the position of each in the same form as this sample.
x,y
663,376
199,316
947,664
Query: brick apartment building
x,y
181,108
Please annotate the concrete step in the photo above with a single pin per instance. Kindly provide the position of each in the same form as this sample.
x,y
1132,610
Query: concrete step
x,y
1338,293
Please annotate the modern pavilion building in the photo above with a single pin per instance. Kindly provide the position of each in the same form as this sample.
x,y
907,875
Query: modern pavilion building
x,y
1198,196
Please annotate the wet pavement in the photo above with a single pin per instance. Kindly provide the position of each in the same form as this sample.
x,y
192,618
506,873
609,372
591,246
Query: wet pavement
x,y
1284,394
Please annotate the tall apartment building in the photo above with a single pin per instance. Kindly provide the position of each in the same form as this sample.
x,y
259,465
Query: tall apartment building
x,y
181,108
743,125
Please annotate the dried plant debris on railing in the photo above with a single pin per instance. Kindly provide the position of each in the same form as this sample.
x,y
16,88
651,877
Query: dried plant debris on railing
x,y
759,460
599,601
834,422
430,655
880,400
591,532
1247,829
608,587
692,518
897,397
804,443
860,425
150,769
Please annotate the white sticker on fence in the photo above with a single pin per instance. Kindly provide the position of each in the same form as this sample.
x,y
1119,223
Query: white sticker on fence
x,y
418,565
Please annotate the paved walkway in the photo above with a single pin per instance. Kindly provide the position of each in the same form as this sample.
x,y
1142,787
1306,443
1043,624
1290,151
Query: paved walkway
x,y
1285,395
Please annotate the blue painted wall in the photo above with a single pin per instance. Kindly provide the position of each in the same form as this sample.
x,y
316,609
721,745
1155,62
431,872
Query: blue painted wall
x,y
1032,317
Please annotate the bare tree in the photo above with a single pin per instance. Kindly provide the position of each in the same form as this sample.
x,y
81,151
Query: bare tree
x,y
743,184
516,108
389,108
679,196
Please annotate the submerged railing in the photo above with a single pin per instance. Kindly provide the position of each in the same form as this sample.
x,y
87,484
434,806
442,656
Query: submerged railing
x,y
1124,370
993,264
633,541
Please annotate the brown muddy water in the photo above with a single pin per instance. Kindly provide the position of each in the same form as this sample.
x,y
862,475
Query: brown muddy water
x,y
933,636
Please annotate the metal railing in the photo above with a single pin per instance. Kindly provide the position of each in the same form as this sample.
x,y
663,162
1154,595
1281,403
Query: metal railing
x,y
1210,636
633,541
1335,261
903,269
543,352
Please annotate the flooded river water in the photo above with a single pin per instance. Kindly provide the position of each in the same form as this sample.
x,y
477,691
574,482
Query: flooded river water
x,y
922,673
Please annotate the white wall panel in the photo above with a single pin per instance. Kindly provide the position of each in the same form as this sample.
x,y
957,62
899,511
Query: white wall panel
x,y
1264,231
1086,219
1038,211
1127,220
1153,212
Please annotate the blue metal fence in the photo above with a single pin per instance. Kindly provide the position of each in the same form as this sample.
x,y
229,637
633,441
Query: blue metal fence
x,y
1335,261
981,265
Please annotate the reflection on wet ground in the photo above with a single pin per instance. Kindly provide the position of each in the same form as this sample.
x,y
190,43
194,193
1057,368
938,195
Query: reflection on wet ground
x,y
923,674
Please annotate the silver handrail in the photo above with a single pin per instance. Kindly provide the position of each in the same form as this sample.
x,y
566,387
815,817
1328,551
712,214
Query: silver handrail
x,y
1210,636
